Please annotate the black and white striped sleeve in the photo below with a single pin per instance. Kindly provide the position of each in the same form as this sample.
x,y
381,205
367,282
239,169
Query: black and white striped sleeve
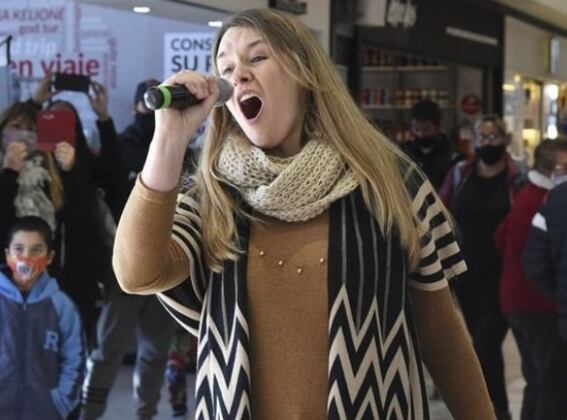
x,y
184,302
440,256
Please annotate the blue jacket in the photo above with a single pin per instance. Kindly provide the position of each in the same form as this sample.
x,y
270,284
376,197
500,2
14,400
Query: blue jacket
x,y
42,351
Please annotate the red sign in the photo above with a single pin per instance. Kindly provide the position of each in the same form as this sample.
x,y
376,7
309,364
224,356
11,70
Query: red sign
x,y
470,104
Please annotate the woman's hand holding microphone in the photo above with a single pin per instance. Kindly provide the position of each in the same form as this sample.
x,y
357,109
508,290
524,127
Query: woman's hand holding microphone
x,y
174,128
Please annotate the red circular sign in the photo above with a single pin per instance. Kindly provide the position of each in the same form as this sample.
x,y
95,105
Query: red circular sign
x,y
470,104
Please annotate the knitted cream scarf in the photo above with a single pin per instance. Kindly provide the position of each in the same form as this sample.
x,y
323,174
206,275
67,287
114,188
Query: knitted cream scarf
x,y
292,189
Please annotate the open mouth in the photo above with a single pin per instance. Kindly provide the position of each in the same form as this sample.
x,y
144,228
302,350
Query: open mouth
x,y
251,107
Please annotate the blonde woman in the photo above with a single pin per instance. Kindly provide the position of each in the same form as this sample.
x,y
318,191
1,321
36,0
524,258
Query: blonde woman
x,y
310,257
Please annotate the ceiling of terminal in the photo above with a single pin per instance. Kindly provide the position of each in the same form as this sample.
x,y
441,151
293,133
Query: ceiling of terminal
x,y
551,11
172,9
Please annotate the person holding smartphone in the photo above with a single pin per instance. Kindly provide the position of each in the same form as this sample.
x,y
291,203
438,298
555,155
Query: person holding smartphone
x,y
124,315
30,180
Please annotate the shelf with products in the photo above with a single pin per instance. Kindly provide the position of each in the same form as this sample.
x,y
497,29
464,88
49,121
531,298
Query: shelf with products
x,y
381,58
394,98
391,82
396,108
407,68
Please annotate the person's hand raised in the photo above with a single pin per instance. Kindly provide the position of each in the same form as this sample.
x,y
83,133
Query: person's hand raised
x,y
174,129
99,101
65,156
43,92
181,124
15,156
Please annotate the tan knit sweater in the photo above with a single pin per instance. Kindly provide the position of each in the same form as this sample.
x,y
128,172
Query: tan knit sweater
x,y
159,264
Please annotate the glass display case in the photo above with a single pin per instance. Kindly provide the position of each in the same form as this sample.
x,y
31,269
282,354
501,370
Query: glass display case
x,y
523,114
533,110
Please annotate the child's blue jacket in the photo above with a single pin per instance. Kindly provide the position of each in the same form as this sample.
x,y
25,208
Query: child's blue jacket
x,y
42,351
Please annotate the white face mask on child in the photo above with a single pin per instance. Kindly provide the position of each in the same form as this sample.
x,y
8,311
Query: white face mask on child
x,y
25,269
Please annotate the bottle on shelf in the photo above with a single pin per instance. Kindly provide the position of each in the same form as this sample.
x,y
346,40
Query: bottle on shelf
x,y
444,98
400,98
365,96
408,98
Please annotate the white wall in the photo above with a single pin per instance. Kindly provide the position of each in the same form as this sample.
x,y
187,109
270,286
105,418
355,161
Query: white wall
x,y
318,16
524,51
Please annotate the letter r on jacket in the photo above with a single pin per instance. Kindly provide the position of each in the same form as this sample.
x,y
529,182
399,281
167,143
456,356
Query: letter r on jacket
x,y
51,341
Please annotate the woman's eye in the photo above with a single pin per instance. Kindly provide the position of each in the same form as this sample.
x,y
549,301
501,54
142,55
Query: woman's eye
x,y
257,58
226,71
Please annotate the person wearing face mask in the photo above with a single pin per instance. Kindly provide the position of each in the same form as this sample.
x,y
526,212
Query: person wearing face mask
x,y
125,317
531,315
431,148
41,334
544,256
545,265
310,255
135,141
31,182
16,139
479,192
81,235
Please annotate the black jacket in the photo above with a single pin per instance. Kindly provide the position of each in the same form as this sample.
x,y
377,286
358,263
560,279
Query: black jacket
x,y
545,255
134,147
435,164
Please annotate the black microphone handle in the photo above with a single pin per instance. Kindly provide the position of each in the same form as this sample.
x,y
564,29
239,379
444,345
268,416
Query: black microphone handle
x,y
177,96
173,96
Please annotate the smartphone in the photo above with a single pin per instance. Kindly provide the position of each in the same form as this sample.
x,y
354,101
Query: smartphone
x,y
54,127
67,81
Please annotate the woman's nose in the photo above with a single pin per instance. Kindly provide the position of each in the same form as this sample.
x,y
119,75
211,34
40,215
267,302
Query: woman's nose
x,y
240,74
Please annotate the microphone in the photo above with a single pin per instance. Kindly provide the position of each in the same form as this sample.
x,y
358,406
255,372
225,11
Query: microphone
x,y
177,96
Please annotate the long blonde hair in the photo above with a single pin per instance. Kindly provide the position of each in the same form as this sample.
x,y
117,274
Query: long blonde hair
x,y
331,115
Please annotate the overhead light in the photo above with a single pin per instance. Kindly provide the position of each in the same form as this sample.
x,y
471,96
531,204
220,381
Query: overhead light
x,y
508,87
552,91
552,132
517,78
215,23
142,9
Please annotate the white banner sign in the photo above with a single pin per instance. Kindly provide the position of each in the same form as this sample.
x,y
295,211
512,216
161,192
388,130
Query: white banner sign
x,y
187,51
48,38
115,47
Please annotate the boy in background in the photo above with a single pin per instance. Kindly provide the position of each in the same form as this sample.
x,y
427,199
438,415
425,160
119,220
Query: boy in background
x,y
41,337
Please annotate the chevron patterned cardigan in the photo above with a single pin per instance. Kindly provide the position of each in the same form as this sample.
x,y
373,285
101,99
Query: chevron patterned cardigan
x,y
374,364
